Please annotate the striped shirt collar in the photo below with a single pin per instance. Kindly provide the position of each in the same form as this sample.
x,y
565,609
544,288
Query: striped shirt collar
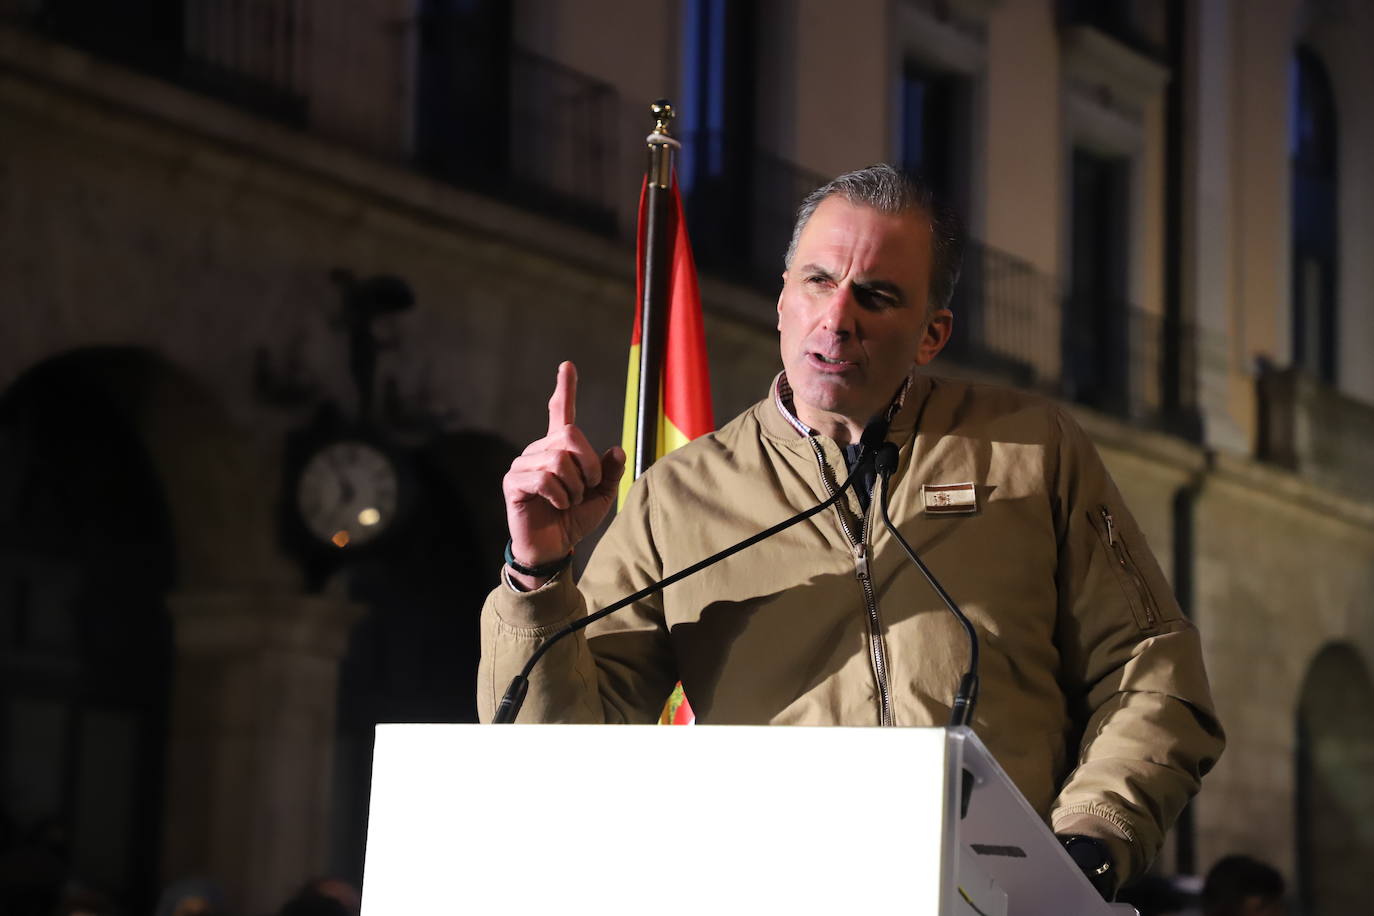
x,y
782,398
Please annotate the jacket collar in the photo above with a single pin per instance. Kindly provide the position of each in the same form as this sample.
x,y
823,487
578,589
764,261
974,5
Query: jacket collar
x,y
780,421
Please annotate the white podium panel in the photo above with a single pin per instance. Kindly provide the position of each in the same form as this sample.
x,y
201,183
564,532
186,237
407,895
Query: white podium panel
x,y
525,819
1005,839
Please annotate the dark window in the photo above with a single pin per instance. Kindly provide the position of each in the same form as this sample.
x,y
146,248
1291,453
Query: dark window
x,y
146,34
717,83
936,145
1096,320
462,93
1312,148
503,121
716,114
935,140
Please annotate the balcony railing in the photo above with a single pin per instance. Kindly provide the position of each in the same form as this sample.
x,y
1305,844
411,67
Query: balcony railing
x,y
515,125
1013,323
250,53
1006,319
741,216
539,134
1305,425
483,115
1138,24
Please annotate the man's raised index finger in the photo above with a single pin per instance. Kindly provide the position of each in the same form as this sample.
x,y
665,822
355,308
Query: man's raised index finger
x,y
563,404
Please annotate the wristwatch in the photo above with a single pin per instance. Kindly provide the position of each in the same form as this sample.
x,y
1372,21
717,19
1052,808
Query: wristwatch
x,y
1093,857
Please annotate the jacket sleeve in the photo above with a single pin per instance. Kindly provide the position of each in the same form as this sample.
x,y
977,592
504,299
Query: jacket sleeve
x,y
619,669
1131,666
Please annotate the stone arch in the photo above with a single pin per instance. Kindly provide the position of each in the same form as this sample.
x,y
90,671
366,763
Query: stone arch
x,y
121,483
1334,793
249,662
220,497
86,561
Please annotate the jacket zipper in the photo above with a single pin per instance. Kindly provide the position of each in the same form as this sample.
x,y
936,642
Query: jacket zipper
x,y
1123,557
877,652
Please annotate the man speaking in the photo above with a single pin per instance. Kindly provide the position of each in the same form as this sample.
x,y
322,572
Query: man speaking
x,y
1093,698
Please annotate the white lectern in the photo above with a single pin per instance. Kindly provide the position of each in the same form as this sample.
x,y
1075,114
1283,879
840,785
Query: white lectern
x,y
527,819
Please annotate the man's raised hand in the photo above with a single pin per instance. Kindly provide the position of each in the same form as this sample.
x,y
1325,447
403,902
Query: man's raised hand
x,y
559,489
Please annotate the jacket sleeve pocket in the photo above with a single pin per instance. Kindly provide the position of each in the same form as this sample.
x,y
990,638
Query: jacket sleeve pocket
x,y
1137,592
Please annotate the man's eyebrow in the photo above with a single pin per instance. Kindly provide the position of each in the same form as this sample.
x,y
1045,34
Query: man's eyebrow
x,y
882,286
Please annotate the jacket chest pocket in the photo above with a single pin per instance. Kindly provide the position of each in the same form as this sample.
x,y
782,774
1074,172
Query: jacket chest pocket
x,y
1138,596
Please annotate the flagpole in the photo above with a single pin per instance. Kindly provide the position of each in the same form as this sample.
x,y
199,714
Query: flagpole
x,y
657,270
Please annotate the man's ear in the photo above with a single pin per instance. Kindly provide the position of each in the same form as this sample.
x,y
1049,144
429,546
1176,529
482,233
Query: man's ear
x,y
936,335
780,294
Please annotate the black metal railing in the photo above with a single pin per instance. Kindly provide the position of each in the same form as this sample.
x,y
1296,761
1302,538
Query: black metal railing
x,y
518,126
741,219
1137,365
1013,323
740,209
537,133
1137,25
563,143
249,53
1005,319
487,115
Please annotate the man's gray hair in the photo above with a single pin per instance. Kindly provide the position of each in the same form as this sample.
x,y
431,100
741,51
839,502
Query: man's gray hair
x,y
889,190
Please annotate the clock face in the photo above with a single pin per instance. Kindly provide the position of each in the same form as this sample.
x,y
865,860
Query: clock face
x,y
347,493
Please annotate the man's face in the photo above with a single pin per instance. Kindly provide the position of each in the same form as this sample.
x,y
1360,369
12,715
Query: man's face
x,y
852,315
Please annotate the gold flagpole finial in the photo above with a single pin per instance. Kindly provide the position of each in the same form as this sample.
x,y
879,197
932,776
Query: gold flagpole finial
x,y
661,144
663,116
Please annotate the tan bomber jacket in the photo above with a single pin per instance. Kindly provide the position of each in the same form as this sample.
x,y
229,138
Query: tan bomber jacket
x,y
1093,698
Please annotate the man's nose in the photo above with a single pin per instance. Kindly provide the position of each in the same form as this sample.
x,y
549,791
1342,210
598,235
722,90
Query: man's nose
x,y
841,316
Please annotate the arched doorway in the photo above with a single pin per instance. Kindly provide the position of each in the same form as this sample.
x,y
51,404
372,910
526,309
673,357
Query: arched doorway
x,y
1335,794
86,560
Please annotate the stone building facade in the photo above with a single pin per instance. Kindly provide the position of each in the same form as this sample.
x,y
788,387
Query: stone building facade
x,y
1171,202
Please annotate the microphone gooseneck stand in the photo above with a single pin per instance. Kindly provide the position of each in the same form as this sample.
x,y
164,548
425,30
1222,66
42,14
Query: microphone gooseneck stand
x,y
514,696
961,713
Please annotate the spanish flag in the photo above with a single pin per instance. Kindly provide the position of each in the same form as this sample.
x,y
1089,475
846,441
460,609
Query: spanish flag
x,y
685,391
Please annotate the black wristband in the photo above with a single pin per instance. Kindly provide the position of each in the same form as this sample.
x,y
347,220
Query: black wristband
x,y
1094,859
547,571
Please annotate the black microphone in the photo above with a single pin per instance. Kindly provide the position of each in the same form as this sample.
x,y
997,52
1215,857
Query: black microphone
x,y
873,436
961,713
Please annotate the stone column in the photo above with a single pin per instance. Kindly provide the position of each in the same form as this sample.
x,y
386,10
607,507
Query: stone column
x,y
251,740
1209,292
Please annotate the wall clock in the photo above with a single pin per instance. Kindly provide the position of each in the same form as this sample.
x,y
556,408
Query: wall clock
x,y
348,493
